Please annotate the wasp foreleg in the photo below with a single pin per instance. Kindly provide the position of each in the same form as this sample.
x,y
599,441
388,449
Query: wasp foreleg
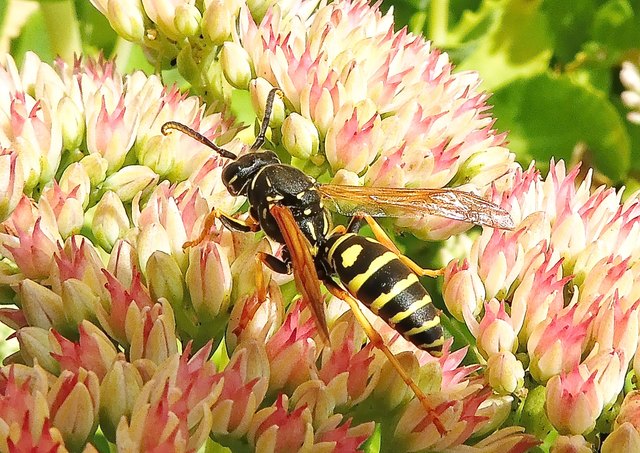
x,y
245,226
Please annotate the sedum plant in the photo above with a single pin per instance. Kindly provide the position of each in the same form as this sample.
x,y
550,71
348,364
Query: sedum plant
x,y
127,341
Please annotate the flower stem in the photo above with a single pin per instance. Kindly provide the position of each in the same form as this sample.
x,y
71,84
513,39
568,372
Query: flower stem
x,y
438,21
64,30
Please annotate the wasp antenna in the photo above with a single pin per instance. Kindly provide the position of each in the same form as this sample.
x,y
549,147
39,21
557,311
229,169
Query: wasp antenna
x,y
169,125
265,119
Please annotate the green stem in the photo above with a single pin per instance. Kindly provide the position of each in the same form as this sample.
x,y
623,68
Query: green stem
x,y
62,25
438,21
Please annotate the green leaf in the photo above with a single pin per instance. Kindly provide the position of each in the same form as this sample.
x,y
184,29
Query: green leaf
x,y
517,42
548,116
617,25
569,23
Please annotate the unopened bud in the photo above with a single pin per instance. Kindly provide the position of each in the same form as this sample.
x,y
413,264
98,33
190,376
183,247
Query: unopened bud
x,y
110,221
127,19
300,136
236,65
72,123
260,89
505,373
130,181
187,20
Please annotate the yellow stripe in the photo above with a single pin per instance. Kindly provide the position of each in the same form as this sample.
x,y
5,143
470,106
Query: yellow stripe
x,y
357,281
426,300
438,342
400,286
336,244
423,328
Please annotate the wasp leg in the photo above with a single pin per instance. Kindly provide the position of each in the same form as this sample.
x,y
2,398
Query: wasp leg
x,y
378,342
384,239
257,144
246,226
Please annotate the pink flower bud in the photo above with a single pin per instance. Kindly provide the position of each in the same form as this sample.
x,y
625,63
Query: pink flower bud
x,y
573,401
291,351
23,409
276,429
74,400
348,373
354,138
75,179
209,279
151,332
244,385
93,351
556,345
111,131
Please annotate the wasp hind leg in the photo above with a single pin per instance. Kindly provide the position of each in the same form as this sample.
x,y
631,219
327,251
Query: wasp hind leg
x,y
378,342
245,226
383,238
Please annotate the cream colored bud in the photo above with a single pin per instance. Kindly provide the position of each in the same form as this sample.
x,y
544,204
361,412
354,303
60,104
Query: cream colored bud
x,y
236,65
118,391
127,19
218,20
110,221
96,167
505,373
624,438
75,177
130,181
35,346
41,307
165,278
187,20
72,123
300,136
260,89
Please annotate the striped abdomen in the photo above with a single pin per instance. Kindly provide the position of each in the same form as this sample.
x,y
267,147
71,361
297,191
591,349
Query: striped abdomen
x,y
376,277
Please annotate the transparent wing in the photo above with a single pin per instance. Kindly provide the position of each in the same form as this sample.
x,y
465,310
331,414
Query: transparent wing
x,y
304,268
402,202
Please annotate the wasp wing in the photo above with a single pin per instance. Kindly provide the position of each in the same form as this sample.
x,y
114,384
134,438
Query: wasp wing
x,y
402,202
304,268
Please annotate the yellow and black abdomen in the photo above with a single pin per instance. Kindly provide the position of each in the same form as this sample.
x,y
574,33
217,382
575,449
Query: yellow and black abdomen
x,y
376,277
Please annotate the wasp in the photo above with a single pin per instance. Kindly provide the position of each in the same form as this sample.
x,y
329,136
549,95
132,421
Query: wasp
x,y
289,206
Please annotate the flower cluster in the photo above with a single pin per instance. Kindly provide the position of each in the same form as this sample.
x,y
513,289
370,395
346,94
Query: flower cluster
x,y
107,306
558,296
367,105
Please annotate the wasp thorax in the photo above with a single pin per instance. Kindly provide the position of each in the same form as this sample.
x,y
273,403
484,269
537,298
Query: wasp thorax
x,y
237,175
